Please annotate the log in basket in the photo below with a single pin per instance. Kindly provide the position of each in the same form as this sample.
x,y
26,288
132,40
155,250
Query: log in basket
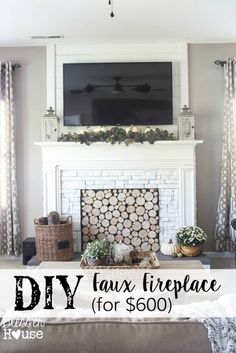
x,y
54,242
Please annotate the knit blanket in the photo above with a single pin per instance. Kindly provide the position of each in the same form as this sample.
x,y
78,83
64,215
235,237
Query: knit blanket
x,y
219,322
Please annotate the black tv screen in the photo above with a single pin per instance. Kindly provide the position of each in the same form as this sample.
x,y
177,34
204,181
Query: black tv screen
x,y
117,94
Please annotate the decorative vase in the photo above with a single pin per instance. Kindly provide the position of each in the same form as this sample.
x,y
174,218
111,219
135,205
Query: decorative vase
x,y
120,249
190,250
97,262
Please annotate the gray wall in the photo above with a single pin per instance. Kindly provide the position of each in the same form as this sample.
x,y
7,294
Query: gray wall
x,y
30,104
206,85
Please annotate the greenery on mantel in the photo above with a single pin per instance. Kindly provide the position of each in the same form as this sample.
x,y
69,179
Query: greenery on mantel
x,y
118,135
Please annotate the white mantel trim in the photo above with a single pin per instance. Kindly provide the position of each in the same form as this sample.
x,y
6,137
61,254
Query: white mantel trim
x,y
97,144
105,155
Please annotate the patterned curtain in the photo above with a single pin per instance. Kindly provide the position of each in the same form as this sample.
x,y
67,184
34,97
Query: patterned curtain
x,y
224,234
10,240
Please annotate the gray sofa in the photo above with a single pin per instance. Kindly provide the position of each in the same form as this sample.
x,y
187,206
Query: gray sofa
x,y
115,336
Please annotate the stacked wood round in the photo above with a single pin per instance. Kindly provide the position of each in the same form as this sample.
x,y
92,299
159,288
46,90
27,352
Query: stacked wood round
x,y
127,215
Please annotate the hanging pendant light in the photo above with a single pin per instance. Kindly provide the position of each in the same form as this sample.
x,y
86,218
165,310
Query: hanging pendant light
x,y
111,4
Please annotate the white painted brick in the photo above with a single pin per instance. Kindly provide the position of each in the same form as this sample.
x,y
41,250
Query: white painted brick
x,y
171,181
106,179
119,184
166,172
172,219
172,210
75,203
173,207
159,185
170,225
65,209
73,185
169,192
74,199
68,173
111,185
90,185
147,175
101,182
65,204
165,180
125,178
134,185
71,178
151,185
76,246
67,193
99,185
90,178
166,198
74,211
88,173
138,182
134,177
76,225
165,218
173,232
112,173
131,172
163,203
170,186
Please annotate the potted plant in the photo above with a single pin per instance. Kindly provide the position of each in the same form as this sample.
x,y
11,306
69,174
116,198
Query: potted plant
x,y
96,253
189,238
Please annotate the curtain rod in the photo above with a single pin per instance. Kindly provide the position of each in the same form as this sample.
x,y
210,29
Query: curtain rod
x,y
14,66
220,62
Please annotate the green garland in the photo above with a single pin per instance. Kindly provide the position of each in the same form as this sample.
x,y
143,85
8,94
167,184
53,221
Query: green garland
x,y
118,135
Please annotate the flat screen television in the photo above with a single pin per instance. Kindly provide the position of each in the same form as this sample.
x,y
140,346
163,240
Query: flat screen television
x,y
117,94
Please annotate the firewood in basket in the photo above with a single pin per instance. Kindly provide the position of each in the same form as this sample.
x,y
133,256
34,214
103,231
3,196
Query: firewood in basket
x,y
53,218
43,221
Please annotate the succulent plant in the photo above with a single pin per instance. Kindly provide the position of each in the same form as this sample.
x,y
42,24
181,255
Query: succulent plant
x,y
96,250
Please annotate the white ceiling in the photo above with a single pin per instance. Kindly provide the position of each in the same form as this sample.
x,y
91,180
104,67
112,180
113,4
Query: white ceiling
x,y
89,22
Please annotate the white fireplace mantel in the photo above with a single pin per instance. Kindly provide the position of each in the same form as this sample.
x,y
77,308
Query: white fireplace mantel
x,y
108,160
165,152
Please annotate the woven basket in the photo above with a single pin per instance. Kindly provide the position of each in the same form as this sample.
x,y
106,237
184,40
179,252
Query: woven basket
x,y
54,242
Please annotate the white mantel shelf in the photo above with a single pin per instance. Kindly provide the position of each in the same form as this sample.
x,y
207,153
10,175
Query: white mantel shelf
x,y
169,166
164,152
96,144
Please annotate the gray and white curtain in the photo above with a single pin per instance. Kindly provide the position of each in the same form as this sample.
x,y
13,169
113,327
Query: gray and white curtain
x,y
10,240
225,236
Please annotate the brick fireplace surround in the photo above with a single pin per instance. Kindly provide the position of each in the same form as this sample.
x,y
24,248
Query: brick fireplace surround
x,y
169,166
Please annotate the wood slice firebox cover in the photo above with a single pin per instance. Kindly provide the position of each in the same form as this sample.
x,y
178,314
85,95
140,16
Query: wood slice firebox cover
x,y
127,215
